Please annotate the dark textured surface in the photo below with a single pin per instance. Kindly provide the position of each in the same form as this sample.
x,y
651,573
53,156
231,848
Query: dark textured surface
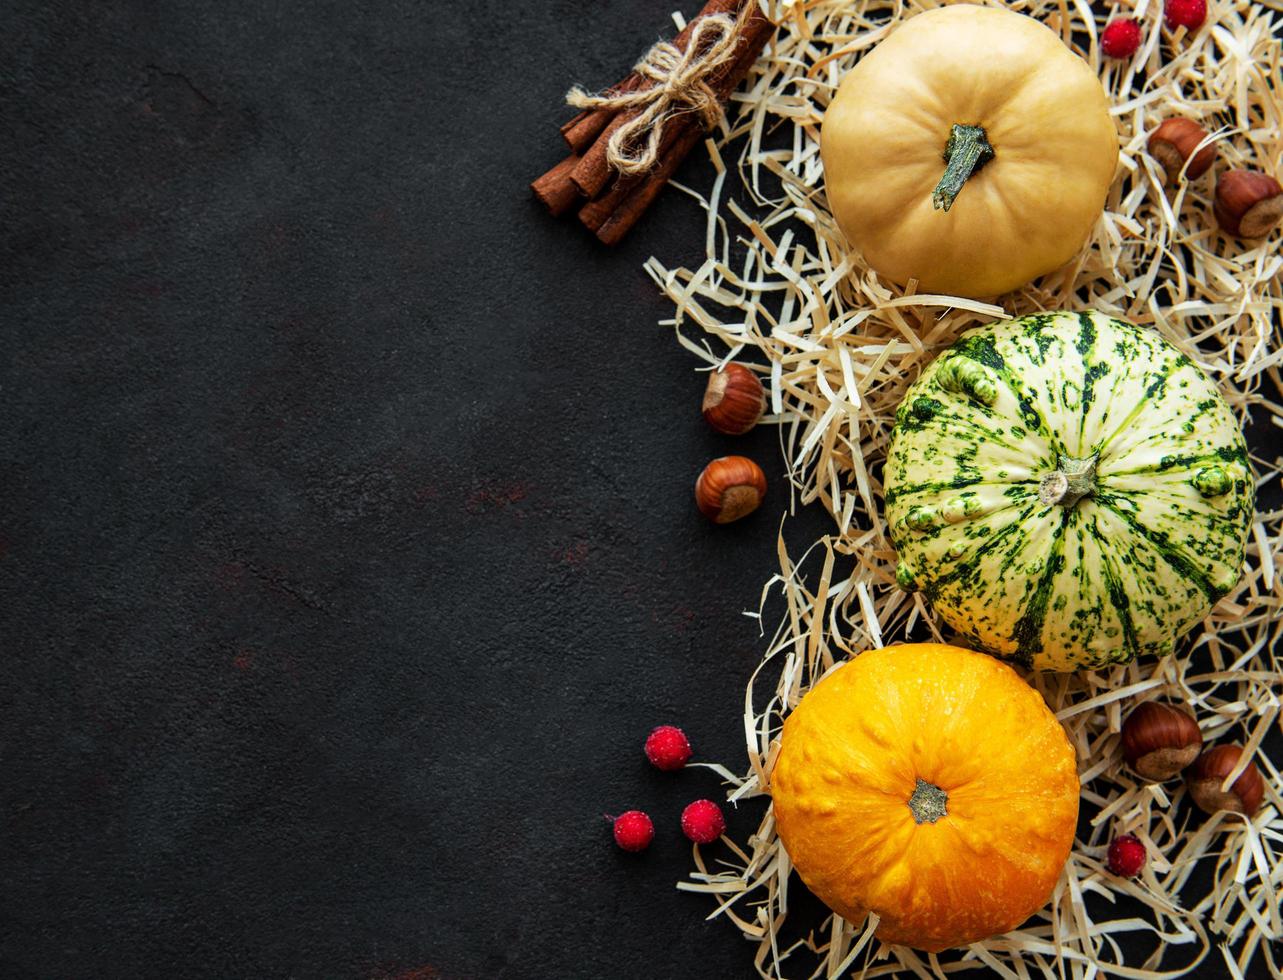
x,y
348,542
347,550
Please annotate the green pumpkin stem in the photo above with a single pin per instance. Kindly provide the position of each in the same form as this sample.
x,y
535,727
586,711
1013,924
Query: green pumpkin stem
x,y
967,151
1072,480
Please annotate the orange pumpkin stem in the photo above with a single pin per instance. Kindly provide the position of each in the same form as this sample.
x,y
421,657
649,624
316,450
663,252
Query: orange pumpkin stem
x,y
928,802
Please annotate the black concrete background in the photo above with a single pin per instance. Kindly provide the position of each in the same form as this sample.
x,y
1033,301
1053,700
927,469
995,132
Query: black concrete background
x,y
347,548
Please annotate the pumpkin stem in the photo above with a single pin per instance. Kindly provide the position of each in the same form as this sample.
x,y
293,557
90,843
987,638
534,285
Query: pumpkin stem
x,y
1073,480
965,153
928,802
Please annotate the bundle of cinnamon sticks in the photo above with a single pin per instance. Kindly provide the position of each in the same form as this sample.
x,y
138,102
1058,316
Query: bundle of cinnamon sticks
x,y
610,203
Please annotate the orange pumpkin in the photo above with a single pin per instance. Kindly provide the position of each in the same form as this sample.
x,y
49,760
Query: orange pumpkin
x,y
930,785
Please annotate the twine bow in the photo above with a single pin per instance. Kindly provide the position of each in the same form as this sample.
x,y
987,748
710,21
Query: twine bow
x,y
680,85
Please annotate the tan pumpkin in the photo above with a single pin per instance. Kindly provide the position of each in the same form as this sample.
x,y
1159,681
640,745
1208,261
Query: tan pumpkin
x,y
970,150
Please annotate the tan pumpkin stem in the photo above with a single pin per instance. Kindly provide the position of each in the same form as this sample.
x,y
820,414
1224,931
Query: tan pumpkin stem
x,y
1069,483
965,153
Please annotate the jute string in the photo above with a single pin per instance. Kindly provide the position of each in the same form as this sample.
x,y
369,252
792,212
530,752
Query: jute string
x,y
680,85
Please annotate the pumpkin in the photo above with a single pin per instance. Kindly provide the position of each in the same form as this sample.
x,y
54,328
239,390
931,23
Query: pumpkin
x,y
970,150
1067,490
930,785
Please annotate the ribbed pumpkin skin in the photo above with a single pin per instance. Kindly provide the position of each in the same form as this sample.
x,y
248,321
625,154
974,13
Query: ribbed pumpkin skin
x,y
1123,571
1029,210
852,752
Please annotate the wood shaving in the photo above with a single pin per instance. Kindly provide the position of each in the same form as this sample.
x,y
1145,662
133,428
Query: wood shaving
x,y
837,348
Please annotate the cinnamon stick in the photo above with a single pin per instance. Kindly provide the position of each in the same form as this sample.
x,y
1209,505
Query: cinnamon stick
x,y
571,123
629,198
640,197
597,212
556,189
593,171
611,212
756,31
594,214
583,130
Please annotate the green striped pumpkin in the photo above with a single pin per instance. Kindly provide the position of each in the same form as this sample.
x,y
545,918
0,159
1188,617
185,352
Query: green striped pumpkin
x,y
1067,490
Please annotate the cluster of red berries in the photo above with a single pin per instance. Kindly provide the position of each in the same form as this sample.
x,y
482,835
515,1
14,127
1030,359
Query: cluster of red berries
x,y
668,749
1121,38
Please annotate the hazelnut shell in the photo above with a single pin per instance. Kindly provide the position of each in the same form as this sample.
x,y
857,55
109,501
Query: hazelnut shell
x,y
1205,776
729,488
733,400
1248,203
1160,740
1173,142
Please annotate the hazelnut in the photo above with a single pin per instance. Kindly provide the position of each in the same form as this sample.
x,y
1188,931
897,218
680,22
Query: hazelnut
x,y
1207,774
1248,203
734,400
1160,740
730,488
1174,142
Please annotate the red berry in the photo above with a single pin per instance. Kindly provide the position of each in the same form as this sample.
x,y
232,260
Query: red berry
x,y
703,822
1185,13
1126,856
1120,39
667,748
633,830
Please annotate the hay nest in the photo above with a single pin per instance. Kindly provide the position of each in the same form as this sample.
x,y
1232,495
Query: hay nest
x,y
837,347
